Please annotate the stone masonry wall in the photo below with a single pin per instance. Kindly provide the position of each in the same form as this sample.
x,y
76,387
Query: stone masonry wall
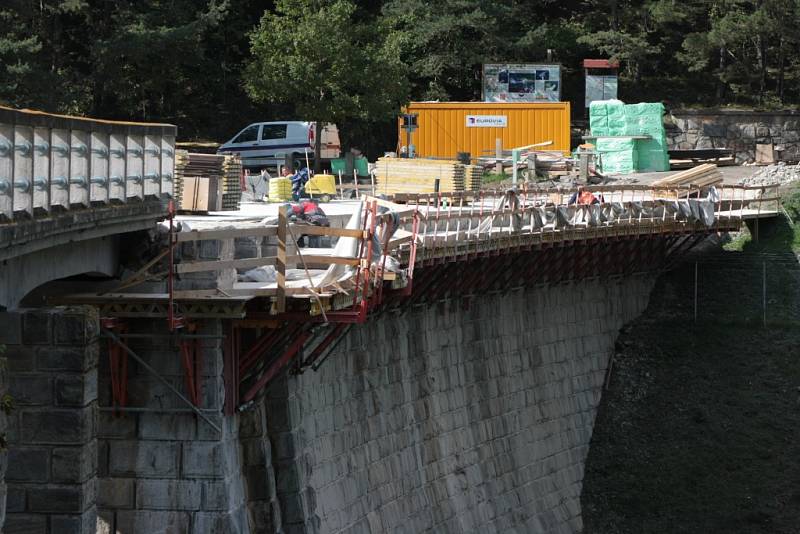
x,y
451,420
736,130
7,330
52,445
164,469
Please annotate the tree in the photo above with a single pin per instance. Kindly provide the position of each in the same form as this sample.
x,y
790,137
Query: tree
x,y
332,66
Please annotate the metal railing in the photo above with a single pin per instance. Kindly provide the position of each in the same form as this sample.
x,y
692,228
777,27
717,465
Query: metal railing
x,y
464,223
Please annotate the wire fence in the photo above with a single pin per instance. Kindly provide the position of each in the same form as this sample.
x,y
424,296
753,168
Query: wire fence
x,y
754,289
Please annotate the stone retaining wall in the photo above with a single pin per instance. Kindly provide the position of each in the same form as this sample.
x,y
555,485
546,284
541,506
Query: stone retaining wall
x,y
736,130
52,437
449,419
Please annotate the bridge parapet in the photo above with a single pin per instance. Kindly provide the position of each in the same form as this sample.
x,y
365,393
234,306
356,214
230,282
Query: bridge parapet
x,y
51,164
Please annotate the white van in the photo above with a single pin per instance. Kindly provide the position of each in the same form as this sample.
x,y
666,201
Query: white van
x,y
267,144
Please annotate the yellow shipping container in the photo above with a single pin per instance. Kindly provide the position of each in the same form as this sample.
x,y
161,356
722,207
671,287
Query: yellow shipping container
x,y
446,128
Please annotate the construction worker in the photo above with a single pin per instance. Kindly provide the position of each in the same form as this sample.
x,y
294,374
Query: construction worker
x,y
583,197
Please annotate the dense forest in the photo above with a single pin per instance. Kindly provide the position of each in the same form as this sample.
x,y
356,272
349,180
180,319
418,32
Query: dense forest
x,y
212,66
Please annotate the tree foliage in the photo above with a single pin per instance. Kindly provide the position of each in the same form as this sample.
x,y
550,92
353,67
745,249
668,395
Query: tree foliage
x,y
318,56
212,66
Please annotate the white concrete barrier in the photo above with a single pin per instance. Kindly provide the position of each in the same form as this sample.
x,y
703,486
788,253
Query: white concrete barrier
x,y
60,162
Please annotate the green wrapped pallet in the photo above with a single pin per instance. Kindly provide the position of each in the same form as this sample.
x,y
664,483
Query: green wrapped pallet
x,y
645,108
598,108
652,160
619,162
615,108
657,142
615,145
598,124
618,156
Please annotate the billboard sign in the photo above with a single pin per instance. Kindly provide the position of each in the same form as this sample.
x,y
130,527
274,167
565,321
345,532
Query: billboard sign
x,y
487,121
521,82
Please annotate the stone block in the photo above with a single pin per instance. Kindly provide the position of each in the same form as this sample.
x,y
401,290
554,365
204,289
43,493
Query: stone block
x,y
252,452
56,426
121,426
210,249
85,523
37,328
74,464
25,524
257,483
10,328
62,359
15,498
29,389
203,460
20,358
144,458
148,391
28,464
76,390
115,493
206,432
216,496
69,329
153,522
212,523
55,499
713,129
167,426
168,494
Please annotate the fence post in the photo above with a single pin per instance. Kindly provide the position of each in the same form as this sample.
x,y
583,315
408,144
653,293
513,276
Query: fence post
x,y
764,292
280,294
498,150
695,292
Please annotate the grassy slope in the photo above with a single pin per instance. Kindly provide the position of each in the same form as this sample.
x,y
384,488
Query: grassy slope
x,y
700,428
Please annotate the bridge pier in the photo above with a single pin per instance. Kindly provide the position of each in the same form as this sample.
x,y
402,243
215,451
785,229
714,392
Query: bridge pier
x,y
51,360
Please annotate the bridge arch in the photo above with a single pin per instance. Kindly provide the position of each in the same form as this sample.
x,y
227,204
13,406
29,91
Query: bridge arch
x,y
20,275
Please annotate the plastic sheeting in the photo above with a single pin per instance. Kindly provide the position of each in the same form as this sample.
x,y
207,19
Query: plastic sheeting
x,y
691,210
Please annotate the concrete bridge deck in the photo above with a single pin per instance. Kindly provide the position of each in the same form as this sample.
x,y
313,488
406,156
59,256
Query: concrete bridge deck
x,y
427,230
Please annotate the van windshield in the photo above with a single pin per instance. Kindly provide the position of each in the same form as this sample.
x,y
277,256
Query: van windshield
x,y
248,134
273,131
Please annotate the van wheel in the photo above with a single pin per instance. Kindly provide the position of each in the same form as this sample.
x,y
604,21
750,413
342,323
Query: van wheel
x,y
298,160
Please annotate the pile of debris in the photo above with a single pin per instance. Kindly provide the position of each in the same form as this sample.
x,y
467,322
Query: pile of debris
x,y
780,173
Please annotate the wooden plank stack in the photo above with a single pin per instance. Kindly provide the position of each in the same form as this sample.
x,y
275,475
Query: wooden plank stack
x,y
181,159
231,183
474,177
701,176
399,175
222,170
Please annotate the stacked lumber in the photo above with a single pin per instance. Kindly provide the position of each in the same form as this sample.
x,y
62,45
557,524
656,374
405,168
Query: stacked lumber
x,y
474,177
231,182
400,175
701,176
181,159
224,170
